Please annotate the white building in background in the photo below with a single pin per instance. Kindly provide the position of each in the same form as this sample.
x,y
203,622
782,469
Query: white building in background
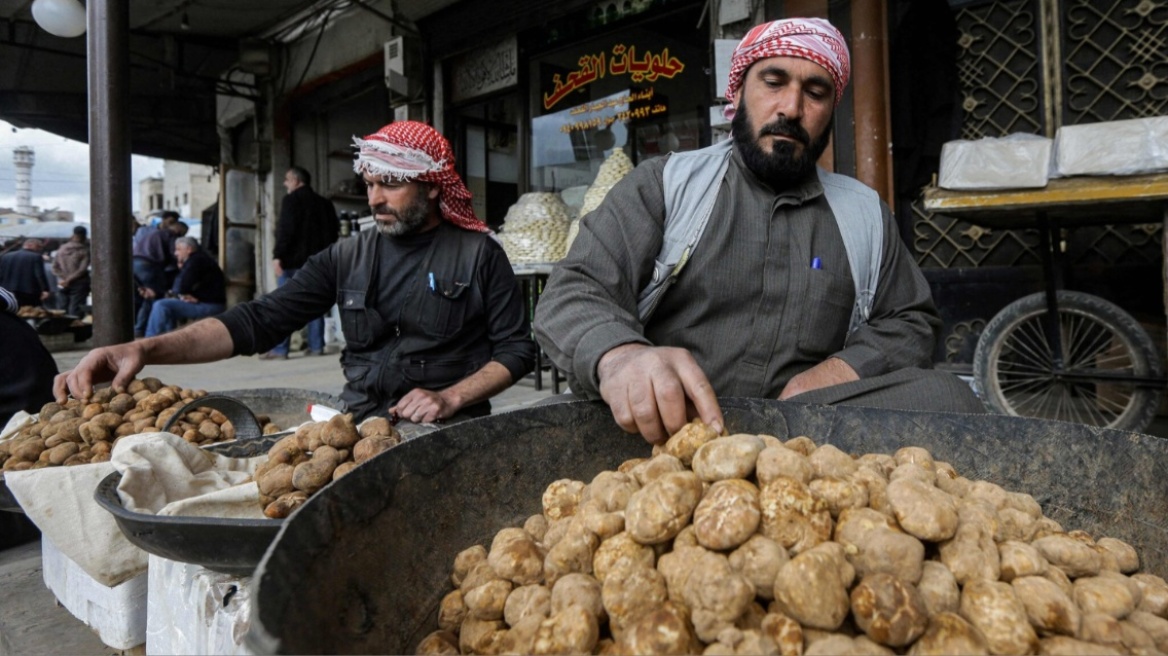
x,y
186,188
150,198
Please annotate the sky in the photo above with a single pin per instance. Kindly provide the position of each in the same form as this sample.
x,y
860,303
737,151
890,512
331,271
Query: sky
x,y
60,173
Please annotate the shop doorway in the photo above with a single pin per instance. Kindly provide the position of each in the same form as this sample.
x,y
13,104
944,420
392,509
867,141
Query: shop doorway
x,y
488,154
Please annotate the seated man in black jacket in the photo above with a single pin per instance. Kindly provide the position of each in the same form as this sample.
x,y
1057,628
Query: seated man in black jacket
x,y
200,289
434,322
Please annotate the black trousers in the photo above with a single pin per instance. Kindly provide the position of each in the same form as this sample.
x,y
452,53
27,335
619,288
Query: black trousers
x,y
72,298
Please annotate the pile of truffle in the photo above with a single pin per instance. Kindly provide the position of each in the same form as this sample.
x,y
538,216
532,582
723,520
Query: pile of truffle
x,y
744,544
85,431
316,454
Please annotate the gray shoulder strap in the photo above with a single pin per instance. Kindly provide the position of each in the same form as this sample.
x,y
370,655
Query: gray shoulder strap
x,y
691,180
857,213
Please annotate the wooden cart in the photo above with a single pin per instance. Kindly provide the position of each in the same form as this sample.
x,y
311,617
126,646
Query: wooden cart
x,y
1062,354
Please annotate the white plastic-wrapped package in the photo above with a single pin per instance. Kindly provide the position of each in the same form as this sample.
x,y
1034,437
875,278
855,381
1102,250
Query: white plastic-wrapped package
x,y
116,614
1010,162
1132,147
193,610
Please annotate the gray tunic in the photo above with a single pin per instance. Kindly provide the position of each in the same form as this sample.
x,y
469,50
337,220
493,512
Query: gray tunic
x,y
749,305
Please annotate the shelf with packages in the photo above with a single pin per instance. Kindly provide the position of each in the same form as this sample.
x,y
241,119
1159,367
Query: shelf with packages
x,y
532,278
1082,200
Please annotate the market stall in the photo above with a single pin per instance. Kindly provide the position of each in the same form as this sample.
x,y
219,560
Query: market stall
x,y
1062,354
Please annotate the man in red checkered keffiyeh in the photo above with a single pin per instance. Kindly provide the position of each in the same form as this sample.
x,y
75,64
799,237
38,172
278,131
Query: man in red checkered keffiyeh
x,y
813,39
406,151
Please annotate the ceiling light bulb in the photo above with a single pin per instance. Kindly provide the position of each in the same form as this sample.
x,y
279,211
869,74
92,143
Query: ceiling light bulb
x,y
63,18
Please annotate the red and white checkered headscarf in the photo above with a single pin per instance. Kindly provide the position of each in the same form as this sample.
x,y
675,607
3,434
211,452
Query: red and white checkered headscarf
x,y
409,150
813,39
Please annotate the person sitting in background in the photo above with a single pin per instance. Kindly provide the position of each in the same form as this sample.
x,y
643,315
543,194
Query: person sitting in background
x,y
178,229
152,254
200,289
22,273
71,267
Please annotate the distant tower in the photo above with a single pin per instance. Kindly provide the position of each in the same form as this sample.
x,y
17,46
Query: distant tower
x,y
23,157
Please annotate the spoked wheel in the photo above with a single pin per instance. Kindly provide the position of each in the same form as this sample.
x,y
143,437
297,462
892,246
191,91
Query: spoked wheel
x,y
1101,344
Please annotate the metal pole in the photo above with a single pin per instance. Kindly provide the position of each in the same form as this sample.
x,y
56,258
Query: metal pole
x,y
870,91
109,170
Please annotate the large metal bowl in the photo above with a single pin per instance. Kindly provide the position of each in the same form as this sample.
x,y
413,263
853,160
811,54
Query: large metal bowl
x,y
231,546
362,567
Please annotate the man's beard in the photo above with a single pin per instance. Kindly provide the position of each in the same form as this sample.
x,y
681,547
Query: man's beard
x,y
409,220
781,167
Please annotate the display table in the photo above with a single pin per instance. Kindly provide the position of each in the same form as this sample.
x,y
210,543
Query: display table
x,y
532,278
1064,354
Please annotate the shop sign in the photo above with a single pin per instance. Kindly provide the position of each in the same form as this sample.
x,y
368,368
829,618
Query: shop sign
x,y
607,106
624,60
486,70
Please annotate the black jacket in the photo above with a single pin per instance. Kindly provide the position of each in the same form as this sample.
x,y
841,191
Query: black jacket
x,y
30,368
23,271
308,224
201,277
434,335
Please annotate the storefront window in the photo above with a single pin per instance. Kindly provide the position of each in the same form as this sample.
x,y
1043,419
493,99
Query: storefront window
x,y
643,89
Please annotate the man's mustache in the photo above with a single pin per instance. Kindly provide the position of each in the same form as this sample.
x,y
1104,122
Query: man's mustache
x,y
379,210
785,128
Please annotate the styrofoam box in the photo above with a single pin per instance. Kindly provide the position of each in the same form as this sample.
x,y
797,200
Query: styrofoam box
x,y
1131,147
193,610
117,614
1011,162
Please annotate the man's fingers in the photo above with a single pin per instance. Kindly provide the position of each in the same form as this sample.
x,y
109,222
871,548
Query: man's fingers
x,y
671,405
646,414
80,384
701,393
61,387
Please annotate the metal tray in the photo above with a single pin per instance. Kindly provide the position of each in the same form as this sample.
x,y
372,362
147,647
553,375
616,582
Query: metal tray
x,y
231,546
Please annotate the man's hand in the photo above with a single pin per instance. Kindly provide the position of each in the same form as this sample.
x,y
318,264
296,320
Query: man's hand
x,y
423,406
279,269
146,292
120,363
187,298
831,371
655,390
44,294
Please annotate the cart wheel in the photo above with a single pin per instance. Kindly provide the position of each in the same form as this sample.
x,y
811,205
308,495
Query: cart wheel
x,y
1012,364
